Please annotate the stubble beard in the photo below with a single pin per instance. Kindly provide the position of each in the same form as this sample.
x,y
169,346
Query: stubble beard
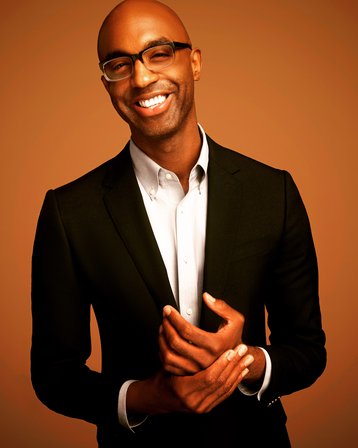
x,y
162,128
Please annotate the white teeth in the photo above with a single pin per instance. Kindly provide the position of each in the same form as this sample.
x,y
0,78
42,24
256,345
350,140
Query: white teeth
x,y
152,102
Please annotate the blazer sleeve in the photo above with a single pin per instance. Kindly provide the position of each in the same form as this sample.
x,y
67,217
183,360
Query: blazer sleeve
x,y
297,340
61,329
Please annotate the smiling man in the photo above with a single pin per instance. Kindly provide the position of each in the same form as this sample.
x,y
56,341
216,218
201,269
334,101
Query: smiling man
x,y
179,245
153,90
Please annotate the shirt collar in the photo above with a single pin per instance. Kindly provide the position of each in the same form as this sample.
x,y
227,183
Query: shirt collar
x,y
148,172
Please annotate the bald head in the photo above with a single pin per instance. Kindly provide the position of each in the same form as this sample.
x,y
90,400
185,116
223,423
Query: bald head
x,y
157,102
133,22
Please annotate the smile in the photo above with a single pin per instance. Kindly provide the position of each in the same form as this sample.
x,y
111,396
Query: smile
x,y
152,102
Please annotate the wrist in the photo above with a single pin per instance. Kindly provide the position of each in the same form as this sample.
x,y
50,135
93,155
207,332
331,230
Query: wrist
x,y
255,377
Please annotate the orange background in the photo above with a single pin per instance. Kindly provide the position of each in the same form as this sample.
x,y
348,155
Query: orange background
x,y
279,83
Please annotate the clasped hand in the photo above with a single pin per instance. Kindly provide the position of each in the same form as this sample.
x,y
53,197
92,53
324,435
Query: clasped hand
x,y
203,368
200,369
186,349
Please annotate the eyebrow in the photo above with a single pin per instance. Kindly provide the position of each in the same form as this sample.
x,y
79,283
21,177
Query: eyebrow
x,y
119,53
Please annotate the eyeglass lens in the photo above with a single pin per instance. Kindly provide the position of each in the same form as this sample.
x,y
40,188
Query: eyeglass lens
x,y
154,58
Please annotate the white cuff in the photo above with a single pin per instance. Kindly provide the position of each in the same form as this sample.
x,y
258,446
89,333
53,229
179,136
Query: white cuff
x,y
247,391
122,407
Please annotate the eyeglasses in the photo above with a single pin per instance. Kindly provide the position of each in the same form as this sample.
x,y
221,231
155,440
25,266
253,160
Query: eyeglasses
x,y
154,58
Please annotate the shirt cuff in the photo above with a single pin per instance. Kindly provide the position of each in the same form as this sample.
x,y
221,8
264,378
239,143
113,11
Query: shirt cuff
x,y
247,391
122,408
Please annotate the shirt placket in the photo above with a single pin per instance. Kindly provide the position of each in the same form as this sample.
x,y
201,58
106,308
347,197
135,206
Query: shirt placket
x,y
186,261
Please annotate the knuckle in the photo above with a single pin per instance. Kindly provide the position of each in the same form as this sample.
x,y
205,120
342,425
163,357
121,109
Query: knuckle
x,y
226,388
167,358
223,386
175,345
220,383
214,346
173,342
186,332
211,380
240,318
202,364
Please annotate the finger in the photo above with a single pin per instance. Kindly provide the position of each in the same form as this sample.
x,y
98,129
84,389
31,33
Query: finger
x,y
167,358
179,354
174,338
221,308
233,381
169,363
234,370
163,346
214,384
241,349
185,329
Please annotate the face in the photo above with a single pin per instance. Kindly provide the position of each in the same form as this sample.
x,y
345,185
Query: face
x,y
155,105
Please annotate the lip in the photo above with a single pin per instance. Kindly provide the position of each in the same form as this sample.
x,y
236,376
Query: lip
x,y
152,111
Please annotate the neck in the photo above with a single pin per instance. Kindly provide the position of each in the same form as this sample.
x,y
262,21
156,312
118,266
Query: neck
x,y
177,153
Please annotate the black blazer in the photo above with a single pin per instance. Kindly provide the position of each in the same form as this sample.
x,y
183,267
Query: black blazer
x,y
94,247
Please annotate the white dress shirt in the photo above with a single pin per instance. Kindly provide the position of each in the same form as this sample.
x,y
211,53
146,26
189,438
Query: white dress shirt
x,y
178,221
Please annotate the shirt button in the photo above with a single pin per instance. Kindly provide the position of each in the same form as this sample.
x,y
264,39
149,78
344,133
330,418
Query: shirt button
x,y
189,311
168,176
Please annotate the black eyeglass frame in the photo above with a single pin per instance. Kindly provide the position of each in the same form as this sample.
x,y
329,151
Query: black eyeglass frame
x,y
175,46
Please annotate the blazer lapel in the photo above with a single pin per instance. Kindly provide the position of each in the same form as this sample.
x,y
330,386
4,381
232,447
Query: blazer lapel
x,y
224,198
126,208
124,203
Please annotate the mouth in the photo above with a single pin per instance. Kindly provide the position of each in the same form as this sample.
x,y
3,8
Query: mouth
x,y
151,103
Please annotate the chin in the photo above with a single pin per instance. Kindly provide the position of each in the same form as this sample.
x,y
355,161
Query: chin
x,y
156,131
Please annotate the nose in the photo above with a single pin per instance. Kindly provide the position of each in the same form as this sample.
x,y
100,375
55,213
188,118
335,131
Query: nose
x,y
141,76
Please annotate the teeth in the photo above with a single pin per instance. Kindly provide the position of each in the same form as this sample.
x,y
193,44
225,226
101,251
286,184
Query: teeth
x,y
152,102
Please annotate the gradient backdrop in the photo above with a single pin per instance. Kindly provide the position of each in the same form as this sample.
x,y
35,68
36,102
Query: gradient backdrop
x,y
279,83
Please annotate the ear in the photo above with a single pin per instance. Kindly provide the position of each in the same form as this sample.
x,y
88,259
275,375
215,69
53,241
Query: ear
x,y
196,63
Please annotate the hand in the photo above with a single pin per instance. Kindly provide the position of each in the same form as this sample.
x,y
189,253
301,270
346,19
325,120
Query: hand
x,y
198,393
186,349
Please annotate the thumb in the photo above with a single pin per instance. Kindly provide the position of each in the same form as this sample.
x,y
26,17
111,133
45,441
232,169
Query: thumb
x,y
219,307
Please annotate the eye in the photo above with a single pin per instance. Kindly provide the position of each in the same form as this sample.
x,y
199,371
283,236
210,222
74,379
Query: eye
x,y
118,65
159,54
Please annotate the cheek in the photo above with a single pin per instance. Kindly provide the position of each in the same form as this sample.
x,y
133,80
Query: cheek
x,y
185,82
181,74
188,85
116,93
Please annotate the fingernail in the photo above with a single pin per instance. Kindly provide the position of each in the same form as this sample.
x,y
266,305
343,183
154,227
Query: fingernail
x,y
166,311
242,349
248,360
244,373
230,354
210,298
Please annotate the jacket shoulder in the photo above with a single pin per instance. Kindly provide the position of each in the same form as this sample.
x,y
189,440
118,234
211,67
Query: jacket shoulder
x,y
87,191
96,179
234,160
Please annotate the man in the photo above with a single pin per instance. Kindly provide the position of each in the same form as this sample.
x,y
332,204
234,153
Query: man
x,y
179,245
